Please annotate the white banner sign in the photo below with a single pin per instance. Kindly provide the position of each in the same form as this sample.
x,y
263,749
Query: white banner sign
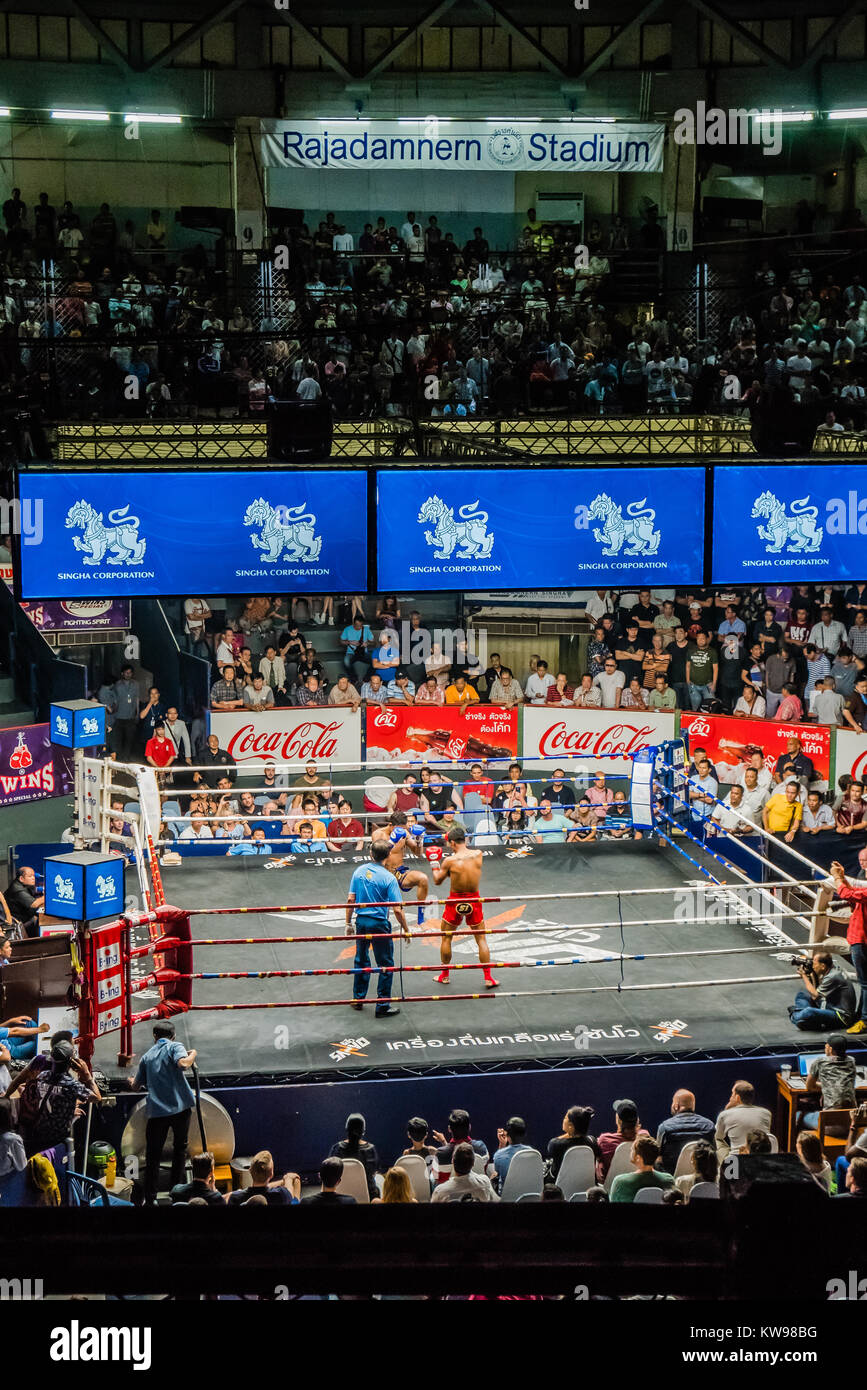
x,y
298,736
465,146
579,736
851,755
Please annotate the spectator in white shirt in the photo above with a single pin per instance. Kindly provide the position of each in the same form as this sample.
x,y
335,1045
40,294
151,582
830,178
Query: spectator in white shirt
x,y
538,684
829,704
610,683
197,830
408,227
817,815
464,1182
754,796
258,695
756,763
729,816
587,695
308,389
598,605
827,635
505,690
751,704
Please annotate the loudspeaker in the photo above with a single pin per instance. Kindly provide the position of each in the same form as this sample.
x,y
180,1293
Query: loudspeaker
x,y
299,429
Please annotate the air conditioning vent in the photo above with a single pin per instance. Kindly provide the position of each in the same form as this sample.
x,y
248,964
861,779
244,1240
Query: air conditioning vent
x,y
498,628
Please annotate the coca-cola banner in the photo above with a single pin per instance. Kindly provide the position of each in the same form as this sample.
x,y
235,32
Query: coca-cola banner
x,y
78,613
324,735
413,733
851,755
31,766
586,734
729,742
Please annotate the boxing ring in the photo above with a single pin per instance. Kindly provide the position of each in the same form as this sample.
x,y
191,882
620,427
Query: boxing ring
x,y
610,948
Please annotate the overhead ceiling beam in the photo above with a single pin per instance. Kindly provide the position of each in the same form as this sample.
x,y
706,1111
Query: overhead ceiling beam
x,y
116,54
831,34
743,36
502,21
173,49
601,57
407,40
326,53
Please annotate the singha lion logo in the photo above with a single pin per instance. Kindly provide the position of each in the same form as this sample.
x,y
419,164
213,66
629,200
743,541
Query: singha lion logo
x,y
288,533
635,531
104,887
119,543
470,533
796,532
64,888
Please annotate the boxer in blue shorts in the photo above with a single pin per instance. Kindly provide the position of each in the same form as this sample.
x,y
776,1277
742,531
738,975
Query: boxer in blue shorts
x,y
401,834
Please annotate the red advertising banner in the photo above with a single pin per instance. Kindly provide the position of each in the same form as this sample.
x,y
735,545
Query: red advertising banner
x,y
729,742
412,733
107,978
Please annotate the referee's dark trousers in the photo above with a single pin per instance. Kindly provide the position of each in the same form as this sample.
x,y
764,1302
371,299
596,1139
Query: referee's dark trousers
x,y
383,953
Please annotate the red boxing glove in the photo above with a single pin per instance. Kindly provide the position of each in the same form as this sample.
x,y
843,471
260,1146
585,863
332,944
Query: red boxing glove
x,y
434,853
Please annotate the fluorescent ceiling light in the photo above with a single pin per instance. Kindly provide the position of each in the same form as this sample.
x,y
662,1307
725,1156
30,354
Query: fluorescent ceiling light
x,y
151,118
590,120
423,120
4,111
339,120
79,116
849,113
514,120
785,117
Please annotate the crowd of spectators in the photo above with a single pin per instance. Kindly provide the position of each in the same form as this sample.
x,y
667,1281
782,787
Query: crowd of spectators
x,y
379,319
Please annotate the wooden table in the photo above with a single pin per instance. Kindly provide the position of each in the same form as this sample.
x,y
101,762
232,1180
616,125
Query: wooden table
x,y
791,1092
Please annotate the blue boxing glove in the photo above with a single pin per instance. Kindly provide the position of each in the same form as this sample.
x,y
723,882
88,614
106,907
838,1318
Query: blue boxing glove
x,y
398,834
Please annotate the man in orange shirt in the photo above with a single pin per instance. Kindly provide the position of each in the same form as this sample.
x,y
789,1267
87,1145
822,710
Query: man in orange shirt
x,y
460,692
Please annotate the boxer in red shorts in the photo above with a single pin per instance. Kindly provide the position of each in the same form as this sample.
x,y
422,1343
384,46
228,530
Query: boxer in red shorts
x,y
463,867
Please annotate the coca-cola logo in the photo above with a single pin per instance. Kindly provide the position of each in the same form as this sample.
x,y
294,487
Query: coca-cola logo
x,y
620,739
312,739
699,727
858,770
385,719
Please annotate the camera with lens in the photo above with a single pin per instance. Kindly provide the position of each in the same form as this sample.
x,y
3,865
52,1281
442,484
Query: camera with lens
x,y
801,963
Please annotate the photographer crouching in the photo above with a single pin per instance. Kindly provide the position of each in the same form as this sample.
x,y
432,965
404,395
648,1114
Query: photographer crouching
x,y
826,999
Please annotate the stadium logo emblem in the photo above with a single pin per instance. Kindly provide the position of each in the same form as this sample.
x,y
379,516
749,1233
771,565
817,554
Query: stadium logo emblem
x,y
288,533
796,532
465,539
635,530
118,543
505,146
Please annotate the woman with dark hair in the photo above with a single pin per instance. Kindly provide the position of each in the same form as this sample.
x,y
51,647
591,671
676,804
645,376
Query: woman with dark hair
x,y
576,1125
356,1146
705,1168
517,824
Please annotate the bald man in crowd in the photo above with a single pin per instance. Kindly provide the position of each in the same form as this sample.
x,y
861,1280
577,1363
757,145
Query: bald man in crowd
x,y
683,1126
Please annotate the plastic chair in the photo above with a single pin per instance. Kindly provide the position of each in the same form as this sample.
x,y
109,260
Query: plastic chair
x,y
703,1189
649,1194
578,1197
577,1171
480,1163
131,808
621,1162
417,1171
775,1143
526,1174
83,1191
354,1181
684,1159
529,1197
485,835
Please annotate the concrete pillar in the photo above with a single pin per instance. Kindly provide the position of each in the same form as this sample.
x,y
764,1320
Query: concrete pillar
x,y
248,190
678,194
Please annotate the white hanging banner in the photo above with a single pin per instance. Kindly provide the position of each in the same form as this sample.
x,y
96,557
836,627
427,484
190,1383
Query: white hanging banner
x,y
465,146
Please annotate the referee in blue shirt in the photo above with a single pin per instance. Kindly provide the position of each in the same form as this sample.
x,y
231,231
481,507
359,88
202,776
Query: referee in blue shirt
x,y
162,1072
373,883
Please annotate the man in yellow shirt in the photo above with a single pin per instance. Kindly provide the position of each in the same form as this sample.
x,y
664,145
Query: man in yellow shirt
x,y
781,815
460,692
